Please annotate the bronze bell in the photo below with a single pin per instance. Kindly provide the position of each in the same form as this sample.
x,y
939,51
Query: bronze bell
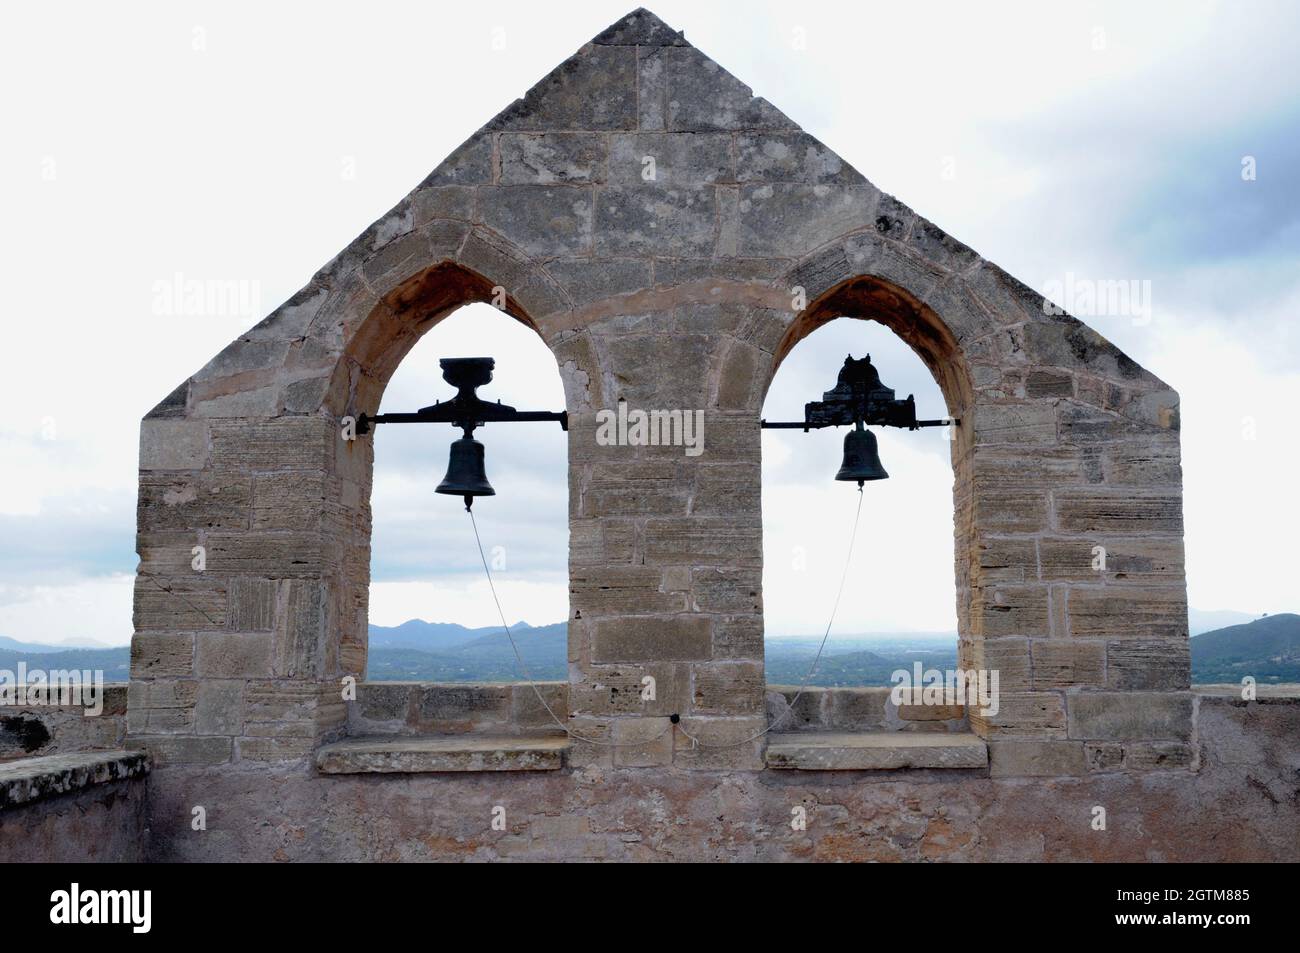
x,y
465,473
861,458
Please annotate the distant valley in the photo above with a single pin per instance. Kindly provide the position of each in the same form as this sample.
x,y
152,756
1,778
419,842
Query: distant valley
x,y
1267,648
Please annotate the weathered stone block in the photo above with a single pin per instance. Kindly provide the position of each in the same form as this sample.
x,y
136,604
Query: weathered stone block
x,y
652,220
252,604
172,604
1146,463
614,500
649,639
613,590
442,202
545,221
1128,612
233,655
716,744
178,749
274,749
458,708
588,280
729,591
857,709
219,708
420,755
1008,657
384,702
874,751
1131,716
162,655
740,637
1005,510
619,689
1067,663
789,709
727,688
301,628
169,444
193,503
682,90
791,157
533,705
288,501
790,219
1036,759
1118,512
267,555
1007,559
599,542
595,90
922,712
678,161
1027,424
1005,609
546,158
1028,714
287,443
1042,383
1148,664
703,542
1158,756
642,742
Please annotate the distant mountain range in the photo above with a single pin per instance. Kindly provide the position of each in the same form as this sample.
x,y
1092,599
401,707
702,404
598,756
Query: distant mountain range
x,y
419,651
1267,648
1207,620
114,663
14,645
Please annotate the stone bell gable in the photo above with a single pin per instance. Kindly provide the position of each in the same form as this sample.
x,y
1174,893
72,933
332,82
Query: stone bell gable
x,y
670,237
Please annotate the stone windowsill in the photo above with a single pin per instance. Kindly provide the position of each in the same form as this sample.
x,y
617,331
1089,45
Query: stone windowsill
x,y
439,753
28,780
875,750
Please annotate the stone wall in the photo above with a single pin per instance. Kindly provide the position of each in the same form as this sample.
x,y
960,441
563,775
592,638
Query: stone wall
x,y
413,708
1239,801
107,823
35,730
671,238
87,806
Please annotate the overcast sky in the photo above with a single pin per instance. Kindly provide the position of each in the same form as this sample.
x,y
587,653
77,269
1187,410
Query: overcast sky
x,y
250,142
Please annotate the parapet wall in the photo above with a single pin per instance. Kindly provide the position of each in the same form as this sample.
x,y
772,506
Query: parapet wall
x,y
1236,799
28,731
1239,801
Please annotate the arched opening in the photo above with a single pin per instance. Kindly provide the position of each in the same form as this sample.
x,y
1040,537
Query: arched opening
x,y
424,556
907,596
899,601
432,615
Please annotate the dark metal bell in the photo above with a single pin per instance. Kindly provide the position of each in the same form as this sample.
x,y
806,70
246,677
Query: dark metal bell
x,y
861,458
465,473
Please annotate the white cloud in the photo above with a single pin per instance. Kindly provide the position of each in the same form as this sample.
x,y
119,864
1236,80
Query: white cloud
x,y
85,612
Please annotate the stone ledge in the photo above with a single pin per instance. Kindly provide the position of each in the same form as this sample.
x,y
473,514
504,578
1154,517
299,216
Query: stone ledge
x,y
433,753
33,779
875,751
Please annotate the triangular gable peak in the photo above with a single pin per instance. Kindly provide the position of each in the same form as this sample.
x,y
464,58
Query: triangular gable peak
x,y
637,163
